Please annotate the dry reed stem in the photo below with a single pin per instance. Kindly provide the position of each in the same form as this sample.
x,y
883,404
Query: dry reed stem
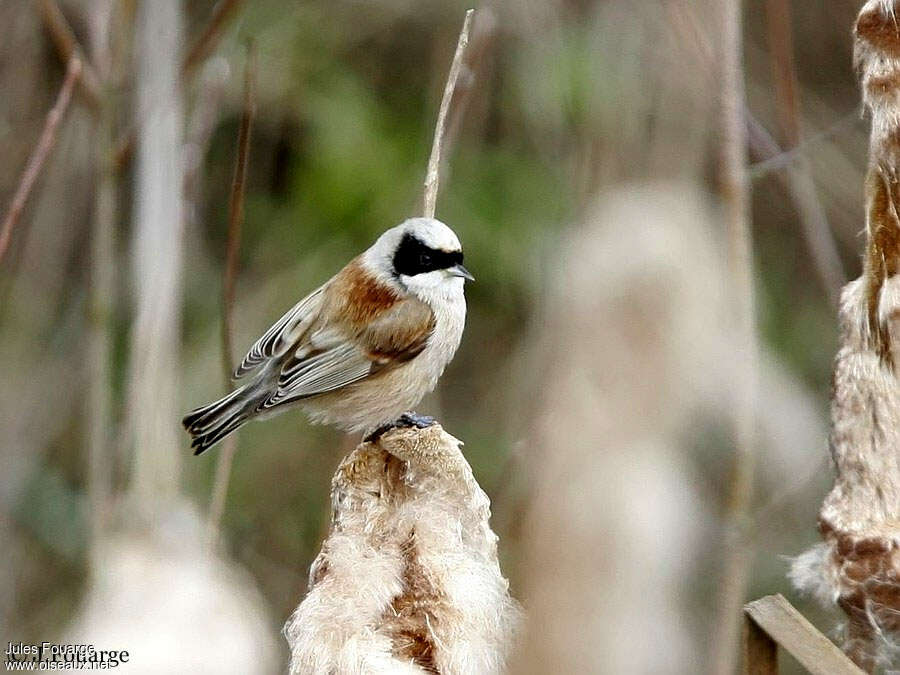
x,y
432,176
797,178
236,210
209,38
157,250
235,218
813,221
67,46
765,164
99,409
41,151
735,196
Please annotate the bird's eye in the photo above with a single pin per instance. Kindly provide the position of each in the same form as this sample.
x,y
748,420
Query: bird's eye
x,y
425,260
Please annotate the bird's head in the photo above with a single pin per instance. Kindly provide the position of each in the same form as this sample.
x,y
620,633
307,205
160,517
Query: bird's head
x,y
423,256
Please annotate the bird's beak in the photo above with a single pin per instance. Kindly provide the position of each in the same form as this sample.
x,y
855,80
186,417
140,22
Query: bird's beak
x,y
460,271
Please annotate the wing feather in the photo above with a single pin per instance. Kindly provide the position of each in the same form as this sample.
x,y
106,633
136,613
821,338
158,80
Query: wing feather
x,y
322,372
335,356
282,334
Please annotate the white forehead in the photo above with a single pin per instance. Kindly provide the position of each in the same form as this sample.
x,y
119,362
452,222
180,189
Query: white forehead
x,y
433,233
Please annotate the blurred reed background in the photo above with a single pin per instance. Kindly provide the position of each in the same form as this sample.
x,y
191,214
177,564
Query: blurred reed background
x,y
595,385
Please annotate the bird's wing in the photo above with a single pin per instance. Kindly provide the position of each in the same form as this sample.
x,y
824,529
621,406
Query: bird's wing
x,y
285,332
339,353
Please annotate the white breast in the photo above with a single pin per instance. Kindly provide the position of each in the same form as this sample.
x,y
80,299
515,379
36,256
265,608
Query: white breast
x,y
449,322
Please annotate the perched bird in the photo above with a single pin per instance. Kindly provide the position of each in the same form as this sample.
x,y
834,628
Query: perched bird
x,y
360,350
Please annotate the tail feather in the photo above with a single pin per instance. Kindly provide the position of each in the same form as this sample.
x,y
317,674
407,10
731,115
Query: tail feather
x,y
204,442
199,420
211,423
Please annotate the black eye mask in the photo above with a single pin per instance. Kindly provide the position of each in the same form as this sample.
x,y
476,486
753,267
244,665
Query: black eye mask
x,y
413,257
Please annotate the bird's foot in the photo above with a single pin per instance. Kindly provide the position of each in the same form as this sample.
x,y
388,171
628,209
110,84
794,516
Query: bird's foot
x,y
379,432
408,420
411,419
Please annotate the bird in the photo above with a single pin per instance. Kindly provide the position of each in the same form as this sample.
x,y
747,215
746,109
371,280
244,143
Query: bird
x,y
360,351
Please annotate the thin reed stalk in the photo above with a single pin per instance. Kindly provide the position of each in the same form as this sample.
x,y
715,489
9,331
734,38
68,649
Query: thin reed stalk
x,y
67,46
41,151
99,410
813,221
157,260
432,175
235,219
735,198
206,42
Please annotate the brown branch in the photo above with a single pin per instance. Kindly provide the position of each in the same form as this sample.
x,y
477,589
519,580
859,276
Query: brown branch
x,y
781,47
735,197
210,37
235,218
432,176
39,156
236,209
67,46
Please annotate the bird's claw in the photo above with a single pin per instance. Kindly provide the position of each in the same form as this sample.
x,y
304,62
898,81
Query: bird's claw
x,y
411,419
379,432
408,420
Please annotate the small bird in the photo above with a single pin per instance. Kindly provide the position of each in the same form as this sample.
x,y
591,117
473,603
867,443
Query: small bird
x,y
360,350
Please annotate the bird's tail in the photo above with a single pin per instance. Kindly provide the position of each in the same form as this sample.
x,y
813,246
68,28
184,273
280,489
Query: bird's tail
x,y
211,423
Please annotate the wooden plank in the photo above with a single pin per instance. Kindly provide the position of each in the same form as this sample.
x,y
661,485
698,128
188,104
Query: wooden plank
x,y
790,629
760,651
